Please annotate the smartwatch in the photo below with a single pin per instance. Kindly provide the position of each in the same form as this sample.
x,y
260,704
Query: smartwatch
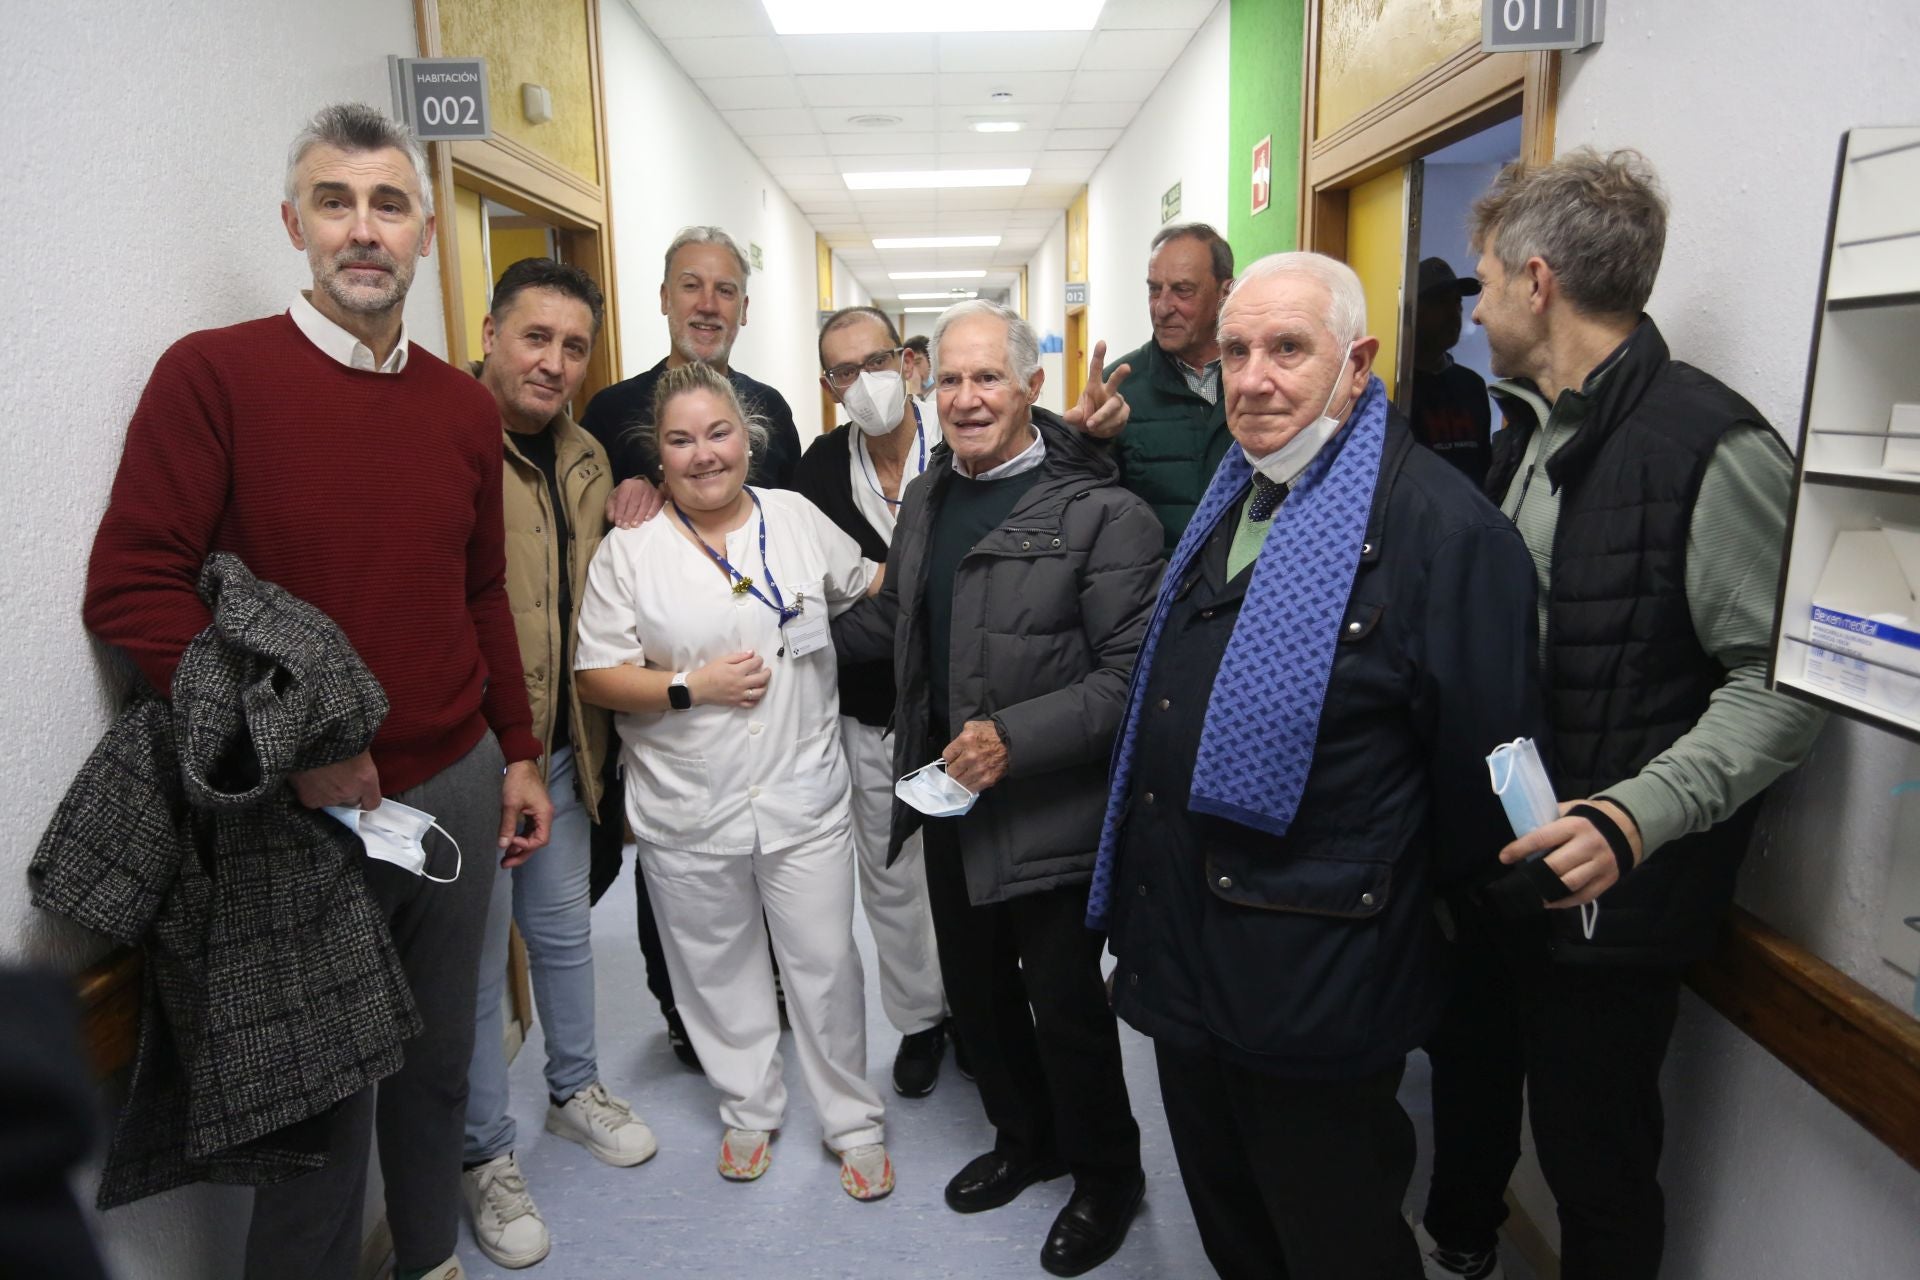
x,y
679,696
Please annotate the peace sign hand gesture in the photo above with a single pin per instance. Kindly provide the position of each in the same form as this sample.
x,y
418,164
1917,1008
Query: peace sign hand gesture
x,y
1102,411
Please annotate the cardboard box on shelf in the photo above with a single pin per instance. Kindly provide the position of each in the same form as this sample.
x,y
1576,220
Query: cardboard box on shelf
x,y
1865,620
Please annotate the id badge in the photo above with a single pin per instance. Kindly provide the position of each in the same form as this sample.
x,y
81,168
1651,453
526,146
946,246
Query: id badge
x,y
806,633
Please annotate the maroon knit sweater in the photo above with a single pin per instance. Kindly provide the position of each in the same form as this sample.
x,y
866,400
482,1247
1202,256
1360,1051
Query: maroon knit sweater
x,y
374,497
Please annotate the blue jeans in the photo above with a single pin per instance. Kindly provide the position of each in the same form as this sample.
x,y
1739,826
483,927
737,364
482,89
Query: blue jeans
x,y
547,897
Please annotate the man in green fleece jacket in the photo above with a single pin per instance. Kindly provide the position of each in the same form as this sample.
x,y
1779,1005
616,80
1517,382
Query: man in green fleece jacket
x,y
1177,431
1653,499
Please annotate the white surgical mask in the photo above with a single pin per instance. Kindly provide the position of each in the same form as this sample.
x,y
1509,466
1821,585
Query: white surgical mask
x,y
1275,466
876,401
393,833
933,793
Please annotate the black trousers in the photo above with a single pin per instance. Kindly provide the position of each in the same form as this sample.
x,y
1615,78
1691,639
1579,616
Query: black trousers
x,y
1292,1179
1024,987
1587,1043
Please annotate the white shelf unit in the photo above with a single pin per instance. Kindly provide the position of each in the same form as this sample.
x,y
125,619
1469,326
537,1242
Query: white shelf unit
x,y
1865,360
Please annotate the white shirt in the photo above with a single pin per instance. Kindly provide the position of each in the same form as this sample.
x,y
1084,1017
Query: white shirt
x,y
715,779
341,345
1026,460
866,477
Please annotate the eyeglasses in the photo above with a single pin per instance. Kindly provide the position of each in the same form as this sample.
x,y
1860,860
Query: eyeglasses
x,y
842,376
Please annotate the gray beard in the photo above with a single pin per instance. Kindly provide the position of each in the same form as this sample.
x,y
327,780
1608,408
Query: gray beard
x,y
684,348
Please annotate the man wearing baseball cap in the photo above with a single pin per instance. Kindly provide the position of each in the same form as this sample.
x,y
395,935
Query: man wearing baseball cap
x,y
1451,414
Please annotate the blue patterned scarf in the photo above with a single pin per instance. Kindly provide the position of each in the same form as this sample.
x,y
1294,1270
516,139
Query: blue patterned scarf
x,y
1263,718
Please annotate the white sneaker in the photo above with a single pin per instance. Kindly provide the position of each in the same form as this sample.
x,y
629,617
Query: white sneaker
x,y
1453,1264
506,1226
604,1125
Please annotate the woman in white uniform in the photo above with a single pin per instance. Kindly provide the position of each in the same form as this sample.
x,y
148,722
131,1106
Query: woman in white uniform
x,y
705,629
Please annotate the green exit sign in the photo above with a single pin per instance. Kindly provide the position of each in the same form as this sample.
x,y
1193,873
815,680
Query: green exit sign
x,y
1170,203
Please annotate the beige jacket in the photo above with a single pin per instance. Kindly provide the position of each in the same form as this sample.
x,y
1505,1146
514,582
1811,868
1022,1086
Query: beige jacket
x,y
533,573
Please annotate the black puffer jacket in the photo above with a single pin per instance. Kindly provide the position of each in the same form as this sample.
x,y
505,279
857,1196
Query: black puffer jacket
x,y
1048,612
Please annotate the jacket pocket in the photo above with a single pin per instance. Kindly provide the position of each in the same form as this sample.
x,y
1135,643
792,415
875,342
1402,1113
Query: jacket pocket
x,y
1322,883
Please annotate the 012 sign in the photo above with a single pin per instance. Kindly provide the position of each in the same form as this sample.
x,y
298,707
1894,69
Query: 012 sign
x,y
443,99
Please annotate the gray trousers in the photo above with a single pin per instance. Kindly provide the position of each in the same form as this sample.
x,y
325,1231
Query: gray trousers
x,y
312,1227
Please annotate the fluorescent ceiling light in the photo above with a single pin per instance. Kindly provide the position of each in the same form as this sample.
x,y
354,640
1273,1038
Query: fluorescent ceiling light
x,y
862,17
954,295
936,275
908,179
922,311
997,126
935,242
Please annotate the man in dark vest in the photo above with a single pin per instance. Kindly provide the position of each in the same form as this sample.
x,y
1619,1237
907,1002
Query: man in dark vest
x,y
1177,430
1653,500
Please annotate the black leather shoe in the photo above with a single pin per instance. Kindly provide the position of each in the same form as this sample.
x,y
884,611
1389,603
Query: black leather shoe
x,y
993,1179
960,1058
1092,1226
677,1039
916,1067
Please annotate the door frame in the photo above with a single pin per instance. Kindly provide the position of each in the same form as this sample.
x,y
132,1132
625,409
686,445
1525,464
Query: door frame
x,y
1463,95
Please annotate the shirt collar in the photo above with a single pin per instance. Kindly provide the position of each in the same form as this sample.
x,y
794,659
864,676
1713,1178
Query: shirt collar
x,y
340,345
1026,460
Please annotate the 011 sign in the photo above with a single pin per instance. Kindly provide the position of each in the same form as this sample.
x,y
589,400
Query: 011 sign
x,y
442,99
1518,26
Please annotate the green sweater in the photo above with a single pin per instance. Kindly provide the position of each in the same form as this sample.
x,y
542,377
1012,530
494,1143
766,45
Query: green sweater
x,y
969,511
1173,441
1748,735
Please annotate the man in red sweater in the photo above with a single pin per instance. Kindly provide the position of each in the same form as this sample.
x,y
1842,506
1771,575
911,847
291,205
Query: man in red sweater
x,y
362,475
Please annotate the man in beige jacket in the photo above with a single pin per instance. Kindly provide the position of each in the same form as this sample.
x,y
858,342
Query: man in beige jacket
x,y
537,340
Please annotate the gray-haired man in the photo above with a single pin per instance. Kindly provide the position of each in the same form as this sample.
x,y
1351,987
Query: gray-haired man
x,y
258,439
1020,576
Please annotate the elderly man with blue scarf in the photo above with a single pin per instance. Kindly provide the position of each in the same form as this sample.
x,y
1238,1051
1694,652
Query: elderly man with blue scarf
x,y
1344,632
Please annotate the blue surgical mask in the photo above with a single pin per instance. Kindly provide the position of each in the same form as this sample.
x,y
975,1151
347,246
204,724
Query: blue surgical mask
x,y
393,833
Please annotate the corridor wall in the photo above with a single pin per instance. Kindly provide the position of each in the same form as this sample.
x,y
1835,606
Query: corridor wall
x,y
1177,137
145,164
1764,1176
673,161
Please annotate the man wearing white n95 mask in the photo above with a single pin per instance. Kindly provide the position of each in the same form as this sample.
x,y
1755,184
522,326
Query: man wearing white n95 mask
x,y
857,474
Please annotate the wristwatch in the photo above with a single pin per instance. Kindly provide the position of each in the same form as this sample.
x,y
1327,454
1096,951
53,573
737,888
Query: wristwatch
x,y
679,696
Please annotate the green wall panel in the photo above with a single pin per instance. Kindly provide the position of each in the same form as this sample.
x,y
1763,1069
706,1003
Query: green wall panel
x,y
1266,38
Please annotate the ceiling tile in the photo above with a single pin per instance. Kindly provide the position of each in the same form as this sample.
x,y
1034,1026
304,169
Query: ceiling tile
x,y
1112,86
1068,159
1134,50
749,93
1187,14
673,19
801,166
750,124
1028,88
882,162
1036,116
988,150
868,144
1095,115
777,146
840,120
713,57
868,91
999,52
1083,139
859,55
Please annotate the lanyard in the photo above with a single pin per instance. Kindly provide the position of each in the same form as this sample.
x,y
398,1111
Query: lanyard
x,y
743,585
866,463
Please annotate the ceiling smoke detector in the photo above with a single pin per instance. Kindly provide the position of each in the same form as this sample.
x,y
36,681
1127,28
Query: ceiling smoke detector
x,y
1001,95
874,120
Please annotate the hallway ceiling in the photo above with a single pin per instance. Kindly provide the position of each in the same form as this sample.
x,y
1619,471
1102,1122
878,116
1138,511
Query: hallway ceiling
x,y
797,103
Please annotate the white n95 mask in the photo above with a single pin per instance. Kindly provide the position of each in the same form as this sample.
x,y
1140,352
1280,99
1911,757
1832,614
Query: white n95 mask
x,y
393,833
876,401
933,793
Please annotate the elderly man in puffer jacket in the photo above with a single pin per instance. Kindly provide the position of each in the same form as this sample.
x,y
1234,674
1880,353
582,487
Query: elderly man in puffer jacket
x,y
1018,588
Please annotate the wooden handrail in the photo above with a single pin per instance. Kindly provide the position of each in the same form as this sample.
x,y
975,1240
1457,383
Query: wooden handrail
x,y
110,1010
1860,1051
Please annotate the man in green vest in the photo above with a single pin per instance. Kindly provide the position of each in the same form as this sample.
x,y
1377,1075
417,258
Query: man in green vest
x,y
1177,431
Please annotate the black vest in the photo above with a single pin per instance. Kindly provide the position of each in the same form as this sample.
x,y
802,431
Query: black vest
x,y
1625,673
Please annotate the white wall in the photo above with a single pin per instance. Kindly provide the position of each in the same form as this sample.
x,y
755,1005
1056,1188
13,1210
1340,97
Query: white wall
x,y
1047,313
1764,1177
674,162
123,230
1179,136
